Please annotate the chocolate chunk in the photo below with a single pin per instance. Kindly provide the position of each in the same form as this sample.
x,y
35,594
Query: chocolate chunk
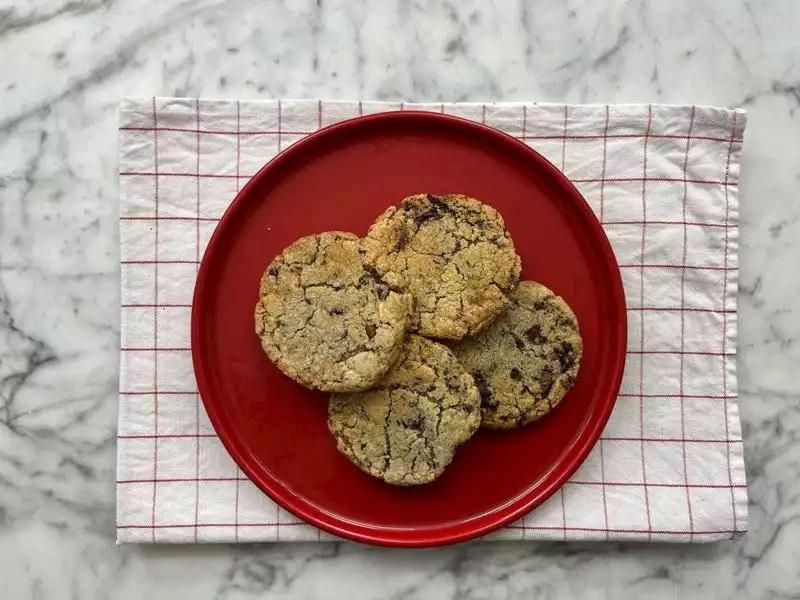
x,y
376,274
402,240
566,355
436,210
373,275
515,374
371,329
427,215
519,343
438,203
534,335
564,322
486,393
546,386
546,381
337,311
273,271
417,423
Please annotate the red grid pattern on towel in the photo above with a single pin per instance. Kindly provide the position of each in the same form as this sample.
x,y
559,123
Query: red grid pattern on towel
x,y
574,179
725,321
442,109
641,319
155,320
668,433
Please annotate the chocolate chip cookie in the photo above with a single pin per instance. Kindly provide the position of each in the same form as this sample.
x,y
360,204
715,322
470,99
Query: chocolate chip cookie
x,y
406,430
454,254
325,320
526,361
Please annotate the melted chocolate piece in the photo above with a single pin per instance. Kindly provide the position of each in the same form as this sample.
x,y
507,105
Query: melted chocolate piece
x,y
402,240
515,374
427,215
373,275
564,322
416,423
371,329
337,311
566,355
437,209
546,381
534,335
438,203
546,386
486,393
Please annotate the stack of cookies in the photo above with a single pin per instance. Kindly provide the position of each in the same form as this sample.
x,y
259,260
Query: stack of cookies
x,y
358,318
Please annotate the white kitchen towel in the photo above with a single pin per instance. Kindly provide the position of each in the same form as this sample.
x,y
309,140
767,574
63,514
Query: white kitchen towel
x,y
663,180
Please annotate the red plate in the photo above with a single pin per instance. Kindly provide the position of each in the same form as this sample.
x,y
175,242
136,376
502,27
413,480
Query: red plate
x,y
342,177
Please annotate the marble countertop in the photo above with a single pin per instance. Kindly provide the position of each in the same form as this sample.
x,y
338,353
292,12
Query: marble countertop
x,y
65,66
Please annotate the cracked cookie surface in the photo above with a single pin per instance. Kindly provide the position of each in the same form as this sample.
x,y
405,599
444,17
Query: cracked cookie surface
x,y
526,361
454,254
406,430
324,320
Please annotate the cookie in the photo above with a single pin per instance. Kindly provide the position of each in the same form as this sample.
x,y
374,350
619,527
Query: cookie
x,y
324,320
526,360
454,254
406,430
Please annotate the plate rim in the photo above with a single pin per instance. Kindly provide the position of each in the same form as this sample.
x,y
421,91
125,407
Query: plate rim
x,y
451,532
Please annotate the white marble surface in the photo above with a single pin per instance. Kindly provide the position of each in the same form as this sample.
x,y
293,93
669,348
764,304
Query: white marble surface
x,y
64,65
